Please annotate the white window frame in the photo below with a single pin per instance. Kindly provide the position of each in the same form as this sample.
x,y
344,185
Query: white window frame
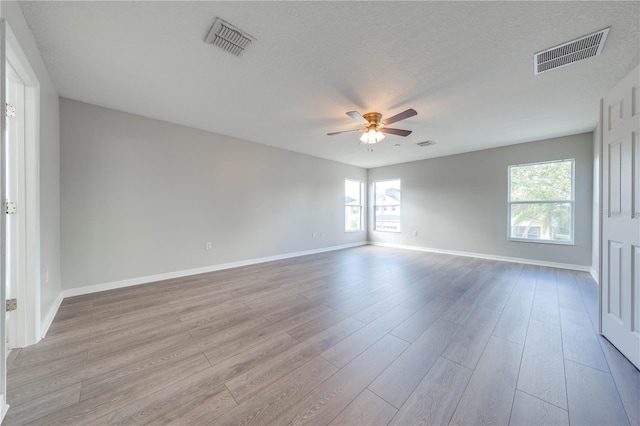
x,y
361,206
571,202
375,205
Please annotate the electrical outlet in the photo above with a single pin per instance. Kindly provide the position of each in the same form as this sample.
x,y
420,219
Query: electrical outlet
x,y
207,246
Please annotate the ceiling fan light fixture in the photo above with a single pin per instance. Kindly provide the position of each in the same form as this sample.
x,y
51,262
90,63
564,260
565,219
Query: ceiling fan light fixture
x,y
374,128
372,136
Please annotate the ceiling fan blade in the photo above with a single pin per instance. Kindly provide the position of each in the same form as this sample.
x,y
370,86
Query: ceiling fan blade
x,y
358,117
404,114
398,132
344,131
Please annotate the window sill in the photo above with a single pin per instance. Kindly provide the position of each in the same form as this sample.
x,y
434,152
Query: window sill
x,y
529,240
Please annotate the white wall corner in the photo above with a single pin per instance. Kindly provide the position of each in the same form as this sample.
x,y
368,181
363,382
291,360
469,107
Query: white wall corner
x,y
594,275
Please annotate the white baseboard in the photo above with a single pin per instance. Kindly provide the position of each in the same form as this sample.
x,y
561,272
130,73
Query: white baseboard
x,y
53,310
4,407
184,273
486,256
594,275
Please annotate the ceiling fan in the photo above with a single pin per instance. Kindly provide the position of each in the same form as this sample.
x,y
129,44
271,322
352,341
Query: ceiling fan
x,y
375,128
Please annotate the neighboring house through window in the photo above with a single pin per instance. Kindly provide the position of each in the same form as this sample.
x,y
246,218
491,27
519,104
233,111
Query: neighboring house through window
x,y
387,205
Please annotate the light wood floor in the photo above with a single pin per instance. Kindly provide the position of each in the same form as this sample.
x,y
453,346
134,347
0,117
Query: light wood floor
x,y
368,335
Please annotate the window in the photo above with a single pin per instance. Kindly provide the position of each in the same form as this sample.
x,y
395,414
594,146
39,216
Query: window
x,y
387,205
541,202
352,205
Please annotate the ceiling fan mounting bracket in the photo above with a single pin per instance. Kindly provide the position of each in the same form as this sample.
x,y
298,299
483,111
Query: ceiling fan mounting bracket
x,y
373,118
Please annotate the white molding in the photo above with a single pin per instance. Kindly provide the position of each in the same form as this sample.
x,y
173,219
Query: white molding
x,y
48,319
177,274
486,256
594,275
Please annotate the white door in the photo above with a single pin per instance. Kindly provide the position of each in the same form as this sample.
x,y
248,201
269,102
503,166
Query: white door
x,y
620,289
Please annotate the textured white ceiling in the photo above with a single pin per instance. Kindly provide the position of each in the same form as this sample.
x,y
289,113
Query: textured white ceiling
x,y
466,67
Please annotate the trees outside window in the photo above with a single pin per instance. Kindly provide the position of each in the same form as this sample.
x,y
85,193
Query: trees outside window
x,y
541,200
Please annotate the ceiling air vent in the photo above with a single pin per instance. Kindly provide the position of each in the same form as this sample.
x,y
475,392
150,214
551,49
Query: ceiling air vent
x,y
570,52
425,143
227,37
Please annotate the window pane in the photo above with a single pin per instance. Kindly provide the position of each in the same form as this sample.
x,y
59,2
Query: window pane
x,y
353,205
388,193
541,221
352,218
539,182
352,192
387,206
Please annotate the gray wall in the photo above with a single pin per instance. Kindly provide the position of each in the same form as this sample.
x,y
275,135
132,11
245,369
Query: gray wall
x,y
459,202
49,160
142,197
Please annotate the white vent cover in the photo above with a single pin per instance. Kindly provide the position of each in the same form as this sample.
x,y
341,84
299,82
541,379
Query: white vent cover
x,y
227,37
570,52
425,143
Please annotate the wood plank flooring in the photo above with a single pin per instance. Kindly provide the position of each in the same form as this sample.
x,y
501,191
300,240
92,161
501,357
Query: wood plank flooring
x,y
364,336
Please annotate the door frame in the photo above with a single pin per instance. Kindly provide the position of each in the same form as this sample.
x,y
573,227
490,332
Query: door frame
x,y
28,330
601,211
3,362
15,192
28,319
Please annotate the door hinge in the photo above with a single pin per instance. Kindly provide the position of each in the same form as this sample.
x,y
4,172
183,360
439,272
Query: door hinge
x,y
12,304
11,207
10,110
